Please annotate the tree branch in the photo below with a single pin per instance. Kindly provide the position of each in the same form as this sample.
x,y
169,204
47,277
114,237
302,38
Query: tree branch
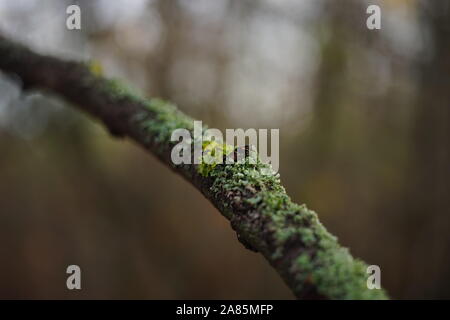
x,y
289,236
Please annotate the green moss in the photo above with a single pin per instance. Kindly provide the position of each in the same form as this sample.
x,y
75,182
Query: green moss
x,y
245,176
213,153
160,118
303,267
282,235
326,265
255,187
303,262
114,89
118,90
95,68
165,119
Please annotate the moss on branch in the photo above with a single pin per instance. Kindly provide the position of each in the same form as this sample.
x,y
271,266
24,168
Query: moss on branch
x,y
248,194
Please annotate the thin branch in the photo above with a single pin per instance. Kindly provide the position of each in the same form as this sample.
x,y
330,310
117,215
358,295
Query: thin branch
x,y
289,236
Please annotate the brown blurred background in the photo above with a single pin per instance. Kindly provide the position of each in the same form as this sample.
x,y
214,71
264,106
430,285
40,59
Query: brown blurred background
x,y
364,124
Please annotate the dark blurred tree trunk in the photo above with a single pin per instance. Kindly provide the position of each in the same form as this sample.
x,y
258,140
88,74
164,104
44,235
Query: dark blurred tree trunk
x,y
428,198
172,18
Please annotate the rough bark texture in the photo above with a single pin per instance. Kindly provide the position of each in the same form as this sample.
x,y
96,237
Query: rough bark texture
x,y
289,236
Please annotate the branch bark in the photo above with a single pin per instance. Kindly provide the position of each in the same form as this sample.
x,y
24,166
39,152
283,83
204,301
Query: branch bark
x,y
289,236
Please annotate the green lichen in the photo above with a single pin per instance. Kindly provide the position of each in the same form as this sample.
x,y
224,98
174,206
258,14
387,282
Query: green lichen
x,y
213,154
95,68
114,89
119,90
305,265
164,120
322,262
160,118
254,187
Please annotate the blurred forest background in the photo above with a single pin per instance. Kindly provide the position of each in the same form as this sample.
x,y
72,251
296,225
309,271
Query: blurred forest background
x,y
364,124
